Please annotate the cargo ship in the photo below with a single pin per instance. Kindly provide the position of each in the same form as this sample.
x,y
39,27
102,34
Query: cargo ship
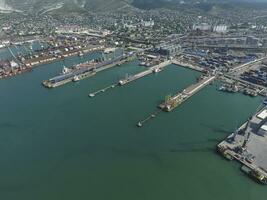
x,y
82,71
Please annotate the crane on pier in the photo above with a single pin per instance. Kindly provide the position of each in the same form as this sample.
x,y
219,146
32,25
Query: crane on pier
x,y
246,130
247,134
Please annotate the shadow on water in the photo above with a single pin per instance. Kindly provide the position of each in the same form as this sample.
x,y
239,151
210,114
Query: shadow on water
x,y
8,125
199,146
192,149
217,129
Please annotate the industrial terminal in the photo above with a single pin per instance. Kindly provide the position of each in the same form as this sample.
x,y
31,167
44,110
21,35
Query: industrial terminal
x,y
248,145
228,51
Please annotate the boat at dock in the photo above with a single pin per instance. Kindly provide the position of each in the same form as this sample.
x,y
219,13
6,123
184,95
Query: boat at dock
x,y
230,88
157,70
76,78
171,102
139,124
74,74
81,71
65,70
250,92
254,174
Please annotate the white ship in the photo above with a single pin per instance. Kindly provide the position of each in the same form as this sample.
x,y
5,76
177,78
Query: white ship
x,y
76,78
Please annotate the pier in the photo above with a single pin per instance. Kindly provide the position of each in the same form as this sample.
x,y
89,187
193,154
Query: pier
x,y
248,146
122,82
245,66
48,58
93,94
172,102
154,69
187,65
90,69
153,115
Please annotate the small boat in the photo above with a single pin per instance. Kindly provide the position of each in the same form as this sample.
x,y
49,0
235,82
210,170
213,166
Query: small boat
x,y
65,70
156,70
139,124
76,78
222,88
142,63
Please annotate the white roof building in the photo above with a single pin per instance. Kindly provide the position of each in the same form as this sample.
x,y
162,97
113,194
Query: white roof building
x,y
220,29
263,130
263,114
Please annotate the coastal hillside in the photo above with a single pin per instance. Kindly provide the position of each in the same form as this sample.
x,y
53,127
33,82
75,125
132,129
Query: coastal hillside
x,y
65,5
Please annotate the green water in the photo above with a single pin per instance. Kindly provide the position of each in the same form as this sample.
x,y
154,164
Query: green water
x,y
61,145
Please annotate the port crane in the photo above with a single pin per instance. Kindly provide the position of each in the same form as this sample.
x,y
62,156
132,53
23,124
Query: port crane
x,y
246,134
246,131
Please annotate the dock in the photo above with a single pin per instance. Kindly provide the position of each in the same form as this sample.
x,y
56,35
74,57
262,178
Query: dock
x,y
172,102
154,69
248,146
46,59
83,72
93,94
151,116
187,65
245,66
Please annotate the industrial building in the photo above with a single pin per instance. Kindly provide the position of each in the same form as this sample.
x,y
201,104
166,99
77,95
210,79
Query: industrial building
x,y
220,29
169,49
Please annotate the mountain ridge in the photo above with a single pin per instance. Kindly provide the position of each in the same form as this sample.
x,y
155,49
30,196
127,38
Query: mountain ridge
x,y
44,6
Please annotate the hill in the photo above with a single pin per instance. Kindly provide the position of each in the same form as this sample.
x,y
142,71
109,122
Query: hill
x,y
65,5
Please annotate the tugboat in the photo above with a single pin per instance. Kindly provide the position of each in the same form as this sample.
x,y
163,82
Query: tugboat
x,y
142,63
253,94
222,88
76,78
156,70
139,124
91,95
65,70
229,88
250,92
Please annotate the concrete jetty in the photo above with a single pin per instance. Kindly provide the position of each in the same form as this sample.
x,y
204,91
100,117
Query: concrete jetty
x,y
93,94
245,66
172,102
83,72
187,65
248,146
151,116
154,69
